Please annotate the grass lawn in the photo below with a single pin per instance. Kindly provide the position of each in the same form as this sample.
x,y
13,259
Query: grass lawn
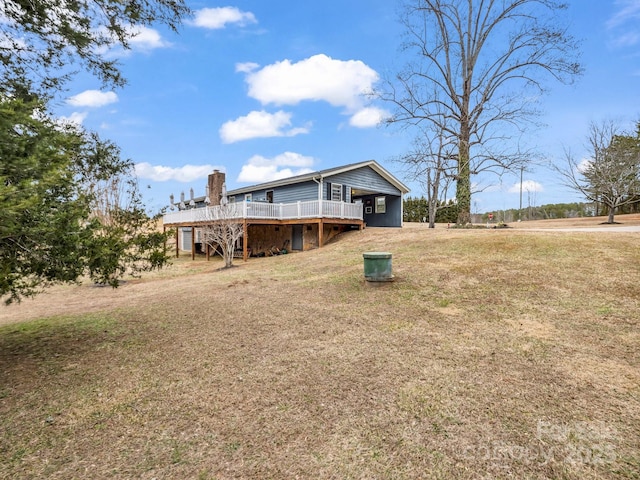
x,y
493,354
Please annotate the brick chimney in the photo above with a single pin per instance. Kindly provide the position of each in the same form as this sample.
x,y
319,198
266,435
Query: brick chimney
x,y
216,180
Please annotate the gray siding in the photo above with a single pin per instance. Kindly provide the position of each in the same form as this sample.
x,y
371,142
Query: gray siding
x,y
364,178
392,217
285,194
298,192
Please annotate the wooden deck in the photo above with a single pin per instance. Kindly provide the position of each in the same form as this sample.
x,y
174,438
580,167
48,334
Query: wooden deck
x,y
315,209
258,213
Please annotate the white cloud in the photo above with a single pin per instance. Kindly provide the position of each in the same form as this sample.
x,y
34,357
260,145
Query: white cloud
x,y
368,117
527,186
584,165
286,159
92,98
626,10
219,17
145,38
76,118
318,78
9,43
259,125
261,169
160,173
140,38
623,23
13,10
246,67
628,39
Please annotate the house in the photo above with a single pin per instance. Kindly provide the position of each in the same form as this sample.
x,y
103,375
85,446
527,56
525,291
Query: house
x,y
295,213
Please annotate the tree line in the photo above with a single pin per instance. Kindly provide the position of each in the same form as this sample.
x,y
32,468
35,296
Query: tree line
x,y
416,209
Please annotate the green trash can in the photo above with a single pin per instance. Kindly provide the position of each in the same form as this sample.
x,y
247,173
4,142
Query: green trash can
x,y
377,267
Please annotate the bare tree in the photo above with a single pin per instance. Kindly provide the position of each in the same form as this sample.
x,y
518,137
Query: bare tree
x,y
223,229
430,163
611,173
479,68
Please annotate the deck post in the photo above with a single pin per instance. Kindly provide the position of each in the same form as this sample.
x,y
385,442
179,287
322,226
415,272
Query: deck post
x,y
320,233
193,243
177,242
245,240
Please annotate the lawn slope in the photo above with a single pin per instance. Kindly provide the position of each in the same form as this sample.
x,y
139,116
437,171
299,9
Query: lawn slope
x,y
493,354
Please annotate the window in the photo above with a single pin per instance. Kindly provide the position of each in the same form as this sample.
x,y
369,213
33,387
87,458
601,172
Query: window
x,y
381,205
247,197
336,192
269,196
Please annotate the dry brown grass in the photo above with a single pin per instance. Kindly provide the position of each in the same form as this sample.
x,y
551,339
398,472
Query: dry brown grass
x,y
494,354
631,219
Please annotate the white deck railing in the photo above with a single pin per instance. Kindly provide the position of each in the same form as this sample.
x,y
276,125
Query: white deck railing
x,y
267,211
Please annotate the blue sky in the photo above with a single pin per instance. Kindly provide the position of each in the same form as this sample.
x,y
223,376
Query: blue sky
x,y
263,90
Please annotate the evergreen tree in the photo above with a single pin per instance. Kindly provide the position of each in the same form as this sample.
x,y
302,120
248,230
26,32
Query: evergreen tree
x,y
55,225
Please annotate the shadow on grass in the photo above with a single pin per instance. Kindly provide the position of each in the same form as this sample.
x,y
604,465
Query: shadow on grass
x,y
51,343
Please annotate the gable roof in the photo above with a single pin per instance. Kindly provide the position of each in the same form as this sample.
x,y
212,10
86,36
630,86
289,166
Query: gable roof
x,y
324,174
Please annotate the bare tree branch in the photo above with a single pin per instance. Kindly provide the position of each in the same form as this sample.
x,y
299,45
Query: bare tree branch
x,y
610,175
479,67
223,231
